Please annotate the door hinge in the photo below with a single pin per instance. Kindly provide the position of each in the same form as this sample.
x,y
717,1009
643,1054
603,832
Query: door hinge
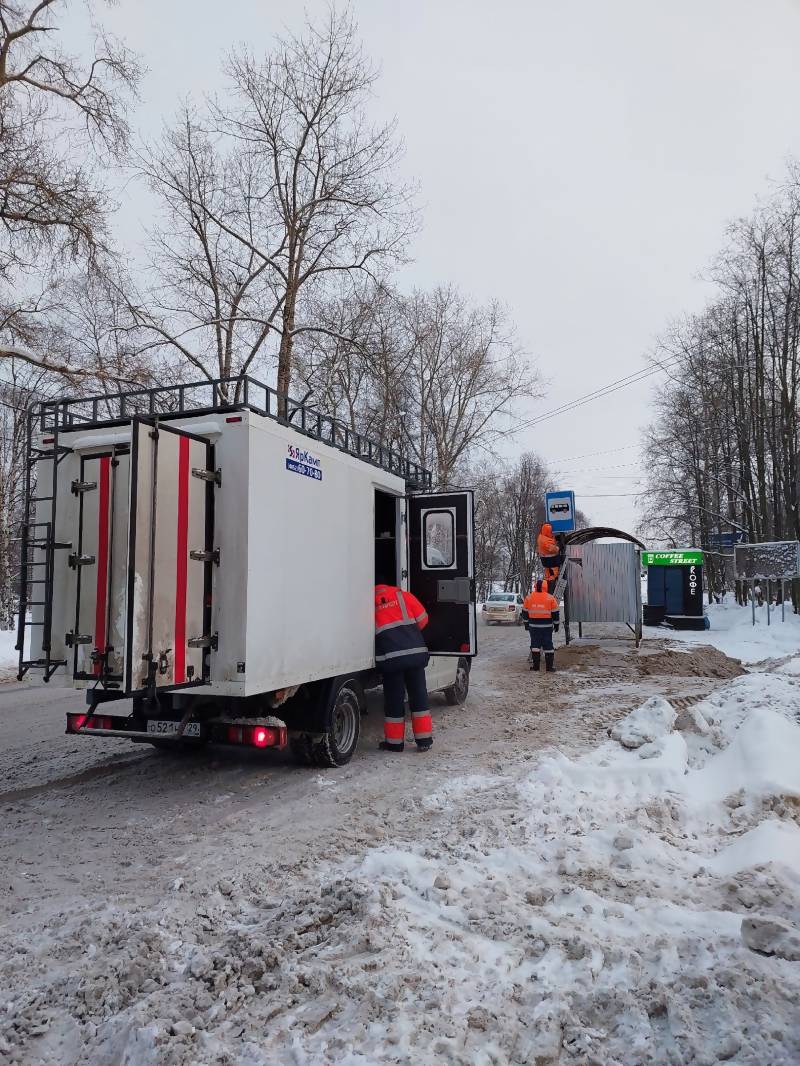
x,y
82,486
72,639
205,557
76,560
208,475
204,642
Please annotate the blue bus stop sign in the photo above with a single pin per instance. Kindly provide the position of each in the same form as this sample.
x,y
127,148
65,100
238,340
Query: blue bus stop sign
x,y
559,507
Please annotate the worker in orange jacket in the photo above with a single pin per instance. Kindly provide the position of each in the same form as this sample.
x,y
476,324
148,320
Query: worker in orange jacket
x,y
550,553
543,618
402,655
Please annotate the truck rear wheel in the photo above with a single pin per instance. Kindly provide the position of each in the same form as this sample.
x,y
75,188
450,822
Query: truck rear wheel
x,y
344,701
457,693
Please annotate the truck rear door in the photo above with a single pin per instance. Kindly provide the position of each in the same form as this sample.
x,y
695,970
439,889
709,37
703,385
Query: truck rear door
x,y
101,563
441,568
170,558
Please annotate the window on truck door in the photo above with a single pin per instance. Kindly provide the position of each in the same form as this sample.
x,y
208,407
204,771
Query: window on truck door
x,y
438,539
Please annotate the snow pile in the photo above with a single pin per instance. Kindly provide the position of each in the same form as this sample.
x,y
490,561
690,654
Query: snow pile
x,y
639,904
654,719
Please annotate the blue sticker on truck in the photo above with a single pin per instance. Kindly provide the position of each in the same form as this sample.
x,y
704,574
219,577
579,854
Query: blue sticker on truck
x,y
299,461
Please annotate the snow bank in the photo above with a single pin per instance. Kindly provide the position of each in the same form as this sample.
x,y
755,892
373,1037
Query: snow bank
x,y
733,632
639,904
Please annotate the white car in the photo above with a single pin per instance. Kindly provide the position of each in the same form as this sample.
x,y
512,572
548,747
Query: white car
x,y
503,607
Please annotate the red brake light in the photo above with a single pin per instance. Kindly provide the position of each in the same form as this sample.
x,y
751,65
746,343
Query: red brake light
x,y
48,440
464,647
261,736
234,418
76,722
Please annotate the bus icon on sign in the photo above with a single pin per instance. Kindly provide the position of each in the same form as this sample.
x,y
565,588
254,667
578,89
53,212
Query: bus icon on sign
x,y
560,510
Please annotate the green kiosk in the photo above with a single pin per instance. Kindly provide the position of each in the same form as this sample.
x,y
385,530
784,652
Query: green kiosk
x,y
674,589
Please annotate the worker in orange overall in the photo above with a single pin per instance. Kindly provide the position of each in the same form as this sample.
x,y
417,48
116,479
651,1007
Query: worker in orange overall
x,y
550,554
402,655
543,619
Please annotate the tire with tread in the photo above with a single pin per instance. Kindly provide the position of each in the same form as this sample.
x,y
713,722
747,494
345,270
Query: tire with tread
x,y
337,744
457,694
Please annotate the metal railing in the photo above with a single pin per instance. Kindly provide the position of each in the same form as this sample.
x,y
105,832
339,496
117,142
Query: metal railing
x,y
225,395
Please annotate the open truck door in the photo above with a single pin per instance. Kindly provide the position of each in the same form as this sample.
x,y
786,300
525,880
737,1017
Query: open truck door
x,y
143,561
170,557
441,570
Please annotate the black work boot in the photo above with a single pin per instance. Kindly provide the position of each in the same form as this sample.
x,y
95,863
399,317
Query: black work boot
x,y
550,662
388,745
425,745
536,660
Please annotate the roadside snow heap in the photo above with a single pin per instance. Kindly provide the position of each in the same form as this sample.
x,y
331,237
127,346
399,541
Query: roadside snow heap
x,y
636,905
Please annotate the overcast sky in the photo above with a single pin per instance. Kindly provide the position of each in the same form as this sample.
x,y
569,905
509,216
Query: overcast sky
x,y
578,159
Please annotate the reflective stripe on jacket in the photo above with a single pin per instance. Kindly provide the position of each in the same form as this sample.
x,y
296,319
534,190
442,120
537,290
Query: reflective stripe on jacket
x,y
399,618
542,609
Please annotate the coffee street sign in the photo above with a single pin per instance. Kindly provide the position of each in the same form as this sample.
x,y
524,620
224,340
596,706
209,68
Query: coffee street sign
x,y
690,557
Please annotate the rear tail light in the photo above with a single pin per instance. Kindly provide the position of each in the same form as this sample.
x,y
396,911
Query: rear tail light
x,y
257,736
76,722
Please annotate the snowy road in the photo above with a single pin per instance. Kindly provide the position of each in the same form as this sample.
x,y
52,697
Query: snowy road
x,y
478,904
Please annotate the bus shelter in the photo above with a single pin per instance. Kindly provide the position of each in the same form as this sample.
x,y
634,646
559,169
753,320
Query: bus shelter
x,y
604,582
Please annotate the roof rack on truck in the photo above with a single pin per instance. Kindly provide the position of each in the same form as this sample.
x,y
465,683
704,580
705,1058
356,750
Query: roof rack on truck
x,y
225,395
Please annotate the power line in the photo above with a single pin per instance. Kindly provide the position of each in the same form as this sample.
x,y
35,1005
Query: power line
x,y
591,455
607,495
598,394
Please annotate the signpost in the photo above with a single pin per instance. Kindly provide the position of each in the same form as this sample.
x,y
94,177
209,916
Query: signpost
x,y
559,507
725,539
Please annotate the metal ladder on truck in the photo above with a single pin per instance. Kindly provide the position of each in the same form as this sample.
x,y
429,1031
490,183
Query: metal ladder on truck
x,y
38,546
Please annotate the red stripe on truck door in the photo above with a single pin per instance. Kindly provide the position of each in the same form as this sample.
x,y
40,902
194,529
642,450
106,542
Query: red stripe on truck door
x,y
182,560
101,592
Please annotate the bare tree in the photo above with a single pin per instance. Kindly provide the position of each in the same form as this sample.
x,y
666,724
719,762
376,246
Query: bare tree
x,y
213,302
273,193
724,445
430,374
57,115
464,372
23,385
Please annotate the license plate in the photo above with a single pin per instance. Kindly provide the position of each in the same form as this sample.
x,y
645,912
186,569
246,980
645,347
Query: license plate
x,y
164,728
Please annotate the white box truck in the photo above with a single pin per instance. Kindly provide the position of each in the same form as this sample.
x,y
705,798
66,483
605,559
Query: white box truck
x,y
208,552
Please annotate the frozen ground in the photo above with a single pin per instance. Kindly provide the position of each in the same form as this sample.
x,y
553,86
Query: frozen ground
x,y
596,867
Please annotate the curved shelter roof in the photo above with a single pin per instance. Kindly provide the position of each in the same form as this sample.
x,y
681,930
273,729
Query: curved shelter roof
x,y
590,533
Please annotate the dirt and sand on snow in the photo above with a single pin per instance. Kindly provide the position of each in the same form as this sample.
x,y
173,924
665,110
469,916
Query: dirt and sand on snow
x,y
563,879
